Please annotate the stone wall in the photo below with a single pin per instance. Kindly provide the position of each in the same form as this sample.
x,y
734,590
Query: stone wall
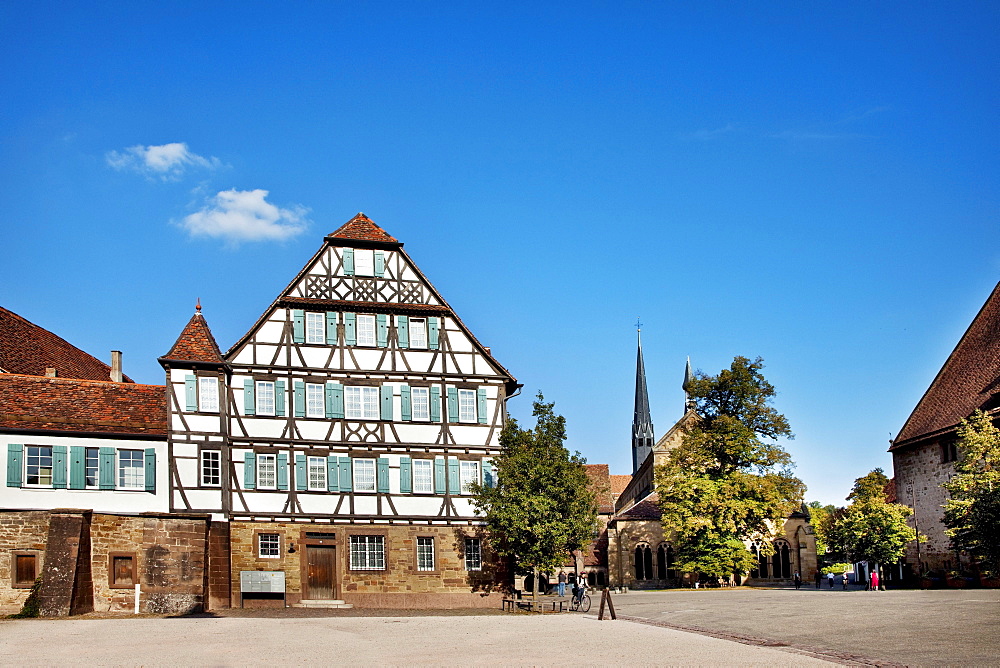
x,y
23,531
920,469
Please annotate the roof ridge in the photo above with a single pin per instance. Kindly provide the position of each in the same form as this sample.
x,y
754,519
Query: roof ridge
x,y
75,381
363,228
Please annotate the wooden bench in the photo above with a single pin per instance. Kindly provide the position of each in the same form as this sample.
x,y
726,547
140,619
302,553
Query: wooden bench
x,y
527,604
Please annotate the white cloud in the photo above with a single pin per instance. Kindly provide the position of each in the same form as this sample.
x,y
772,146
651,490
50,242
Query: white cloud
x,y
244,215
167,161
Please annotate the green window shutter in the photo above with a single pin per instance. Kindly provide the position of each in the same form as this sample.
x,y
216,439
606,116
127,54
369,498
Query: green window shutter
x,y
282,471
453,480
380,264
435,401
432,333
385,394
300,398
15,463
348,261
403,331
191,392
332,474
300,473
106,468
350,329
249,470
331,328
439,476
249,403
452,404
382,475
77,467
405,412
481,404
150,473
381,330
59,466
279,398
405,476
345,474
489,479
335,401
298,326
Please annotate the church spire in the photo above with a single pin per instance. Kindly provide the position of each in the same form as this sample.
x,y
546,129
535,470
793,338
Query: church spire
x,y
642,423
686,385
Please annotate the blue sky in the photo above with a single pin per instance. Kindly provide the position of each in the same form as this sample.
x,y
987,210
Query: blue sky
x,y
812,183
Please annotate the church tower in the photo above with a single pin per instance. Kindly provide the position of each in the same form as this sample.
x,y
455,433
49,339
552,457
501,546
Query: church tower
x,y
642,423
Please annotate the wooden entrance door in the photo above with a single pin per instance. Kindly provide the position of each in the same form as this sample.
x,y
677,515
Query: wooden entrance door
x,y
321,562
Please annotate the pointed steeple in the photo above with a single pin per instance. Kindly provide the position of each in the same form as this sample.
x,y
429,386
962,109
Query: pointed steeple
x,y
642,423
196,343
363,228
686,385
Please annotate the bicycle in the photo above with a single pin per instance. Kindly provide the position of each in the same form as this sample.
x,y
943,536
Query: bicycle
x,y
580,601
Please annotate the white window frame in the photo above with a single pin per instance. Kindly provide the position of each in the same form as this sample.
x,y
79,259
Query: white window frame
x,y
359,468
272,467
265,392
467,406
316,465
419,479
473,557
364,262
315,327
269,545
138,481
208,394
210,459
96,468
367,553
420,404
365,327
40,458
425,553
468,472
418,333
317,408
361,402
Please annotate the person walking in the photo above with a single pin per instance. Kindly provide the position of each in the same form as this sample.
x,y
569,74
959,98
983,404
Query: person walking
x,y
798,580
562,583
875,579
819,578
829,578
845,580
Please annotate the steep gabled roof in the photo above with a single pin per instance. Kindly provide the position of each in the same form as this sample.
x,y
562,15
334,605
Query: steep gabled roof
x,y
968,380
37,403
600,483
26,348
647,509
619,483
362,228
196,343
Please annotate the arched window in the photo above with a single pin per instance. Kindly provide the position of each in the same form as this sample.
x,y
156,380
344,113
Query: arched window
x,y
639,574
762,563
671,573
781,560
643,562
661,563
647,558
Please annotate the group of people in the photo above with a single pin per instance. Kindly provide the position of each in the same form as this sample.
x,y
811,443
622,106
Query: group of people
x,y
578,584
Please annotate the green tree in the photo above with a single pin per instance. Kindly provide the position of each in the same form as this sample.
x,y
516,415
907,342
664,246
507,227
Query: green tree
x,y
541,507
972,514
729,480
820,519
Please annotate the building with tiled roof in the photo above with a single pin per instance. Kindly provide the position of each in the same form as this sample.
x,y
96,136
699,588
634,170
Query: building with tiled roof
x,y
924,452
196,343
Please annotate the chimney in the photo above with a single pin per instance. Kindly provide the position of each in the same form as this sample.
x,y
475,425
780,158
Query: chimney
x,y
50,372
116,366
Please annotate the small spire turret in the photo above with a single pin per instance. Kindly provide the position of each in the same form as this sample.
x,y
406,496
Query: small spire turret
x,y
642,422
686,385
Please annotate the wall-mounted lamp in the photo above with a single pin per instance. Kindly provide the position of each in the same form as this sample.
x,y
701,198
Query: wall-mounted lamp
x,y
291,547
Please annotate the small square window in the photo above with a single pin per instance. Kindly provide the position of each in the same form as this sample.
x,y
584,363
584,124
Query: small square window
x,y
130,469
473,555
208,394
267,472
364,262
25,570
211,468
315,400
364,475
268,545
367,553
425,554
366,330
466,406
420,404
317,473
423,476
38,466
315,328
470,474
265,397
121,570
418,333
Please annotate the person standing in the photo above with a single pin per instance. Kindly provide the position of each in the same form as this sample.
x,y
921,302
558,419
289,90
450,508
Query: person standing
x,y
845,580
829,578
562,583
798,580
819,578
874,579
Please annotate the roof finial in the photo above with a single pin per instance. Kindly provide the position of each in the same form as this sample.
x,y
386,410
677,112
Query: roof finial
x,y
686,386
638,324
197,306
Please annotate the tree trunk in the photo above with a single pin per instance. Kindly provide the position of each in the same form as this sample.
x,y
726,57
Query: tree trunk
x,y
534,588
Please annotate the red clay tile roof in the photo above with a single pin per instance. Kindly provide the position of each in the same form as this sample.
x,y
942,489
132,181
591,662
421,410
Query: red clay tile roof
x,y
362,228
599,483
967,381
196,343
26,348
618,484
647,509
64,404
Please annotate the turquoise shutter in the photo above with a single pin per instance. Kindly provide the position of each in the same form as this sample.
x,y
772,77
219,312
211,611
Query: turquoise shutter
x,y
382,475
191,392
405,412
350,329
489,480
249,403
405,476
331,328
385,394
453,481
249,470
15,462
435,403
332,474
335,401
298,326
150,472
282,471
380,264
345,474
481,404
348,261
59,466
403,330
77,467
300,473
439,477
432,333
300,399
279,398
452,404
106,468
381,330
